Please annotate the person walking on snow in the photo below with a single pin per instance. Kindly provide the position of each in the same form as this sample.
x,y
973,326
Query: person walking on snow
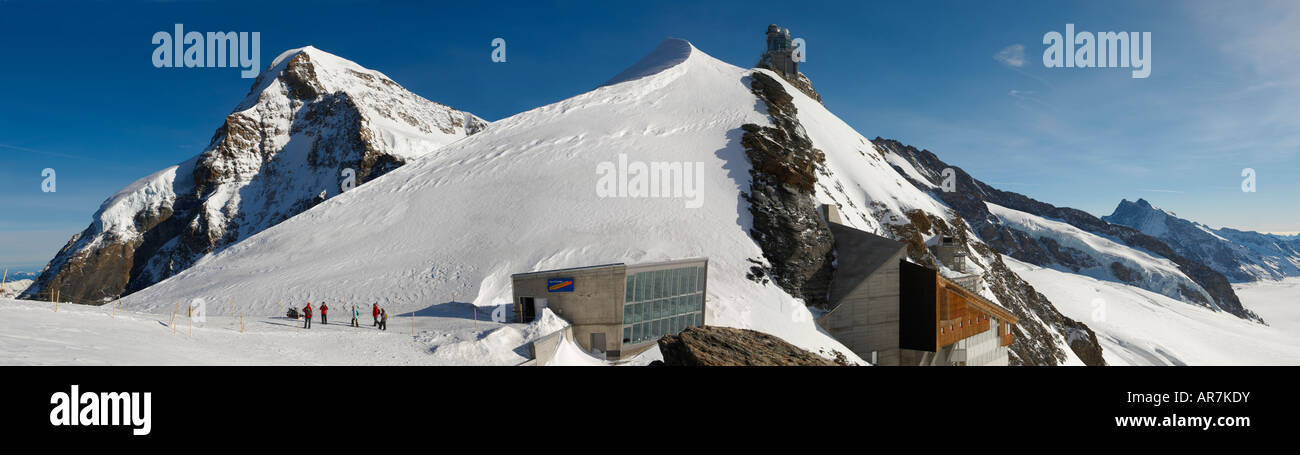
x,y
383,319
354,317
374,313
324,313
306,316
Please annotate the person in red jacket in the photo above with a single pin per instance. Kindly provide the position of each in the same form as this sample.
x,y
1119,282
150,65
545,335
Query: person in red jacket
x,y
374,313
324,313
306,316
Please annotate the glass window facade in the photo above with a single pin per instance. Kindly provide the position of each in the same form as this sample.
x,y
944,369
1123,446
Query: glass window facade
x,y
662,302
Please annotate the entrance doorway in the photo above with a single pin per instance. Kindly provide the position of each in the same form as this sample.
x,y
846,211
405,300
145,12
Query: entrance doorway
x,y
527,309
598,343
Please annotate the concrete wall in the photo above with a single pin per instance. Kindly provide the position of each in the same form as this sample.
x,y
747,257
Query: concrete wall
x,y
594,306
867,318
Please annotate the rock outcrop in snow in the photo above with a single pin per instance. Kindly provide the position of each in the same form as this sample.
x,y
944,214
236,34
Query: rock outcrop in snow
x,y
797,244
1238,255
725,346
311,121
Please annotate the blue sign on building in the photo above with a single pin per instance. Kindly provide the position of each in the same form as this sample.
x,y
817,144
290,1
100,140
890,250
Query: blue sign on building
x,y
559,285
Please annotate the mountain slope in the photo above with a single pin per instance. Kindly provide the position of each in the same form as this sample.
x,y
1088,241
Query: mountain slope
x,y
526,195
1140,327
1238,255
971,197
310,121
873,195
1102,258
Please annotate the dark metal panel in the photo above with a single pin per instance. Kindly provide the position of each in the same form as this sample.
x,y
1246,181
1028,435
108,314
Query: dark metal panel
x,y
916,307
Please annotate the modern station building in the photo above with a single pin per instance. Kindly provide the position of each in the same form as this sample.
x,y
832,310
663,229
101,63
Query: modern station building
x,y
893,312
617,309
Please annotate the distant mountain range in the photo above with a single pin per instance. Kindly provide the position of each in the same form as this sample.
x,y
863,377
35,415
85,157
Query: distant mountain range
x,y
1239,255
15,275
1068,239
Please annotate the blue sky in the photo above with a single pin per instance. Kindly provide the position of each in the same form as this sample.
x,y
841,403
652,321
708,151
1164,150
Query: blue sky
x,y
82,97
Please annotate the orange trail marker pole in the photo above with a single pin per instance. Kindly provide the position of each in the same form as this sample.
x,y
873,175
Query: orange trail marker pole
x,y
191,318
241,323
56,300
2,281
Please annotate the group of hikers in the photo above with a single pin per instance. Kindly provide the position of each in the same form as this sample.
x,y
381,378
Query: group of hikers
x,y
379,315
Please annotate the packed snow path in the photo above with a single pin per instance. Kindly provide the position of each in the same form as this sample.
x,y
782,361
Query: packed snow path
x,y
33,333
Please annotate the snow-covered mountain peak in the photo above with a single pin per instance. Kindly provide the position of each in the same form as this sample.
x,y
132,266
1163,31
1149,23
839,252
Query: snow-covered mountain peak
x,y
323,69
1141,215
306,74
1238,255
313,125
671,52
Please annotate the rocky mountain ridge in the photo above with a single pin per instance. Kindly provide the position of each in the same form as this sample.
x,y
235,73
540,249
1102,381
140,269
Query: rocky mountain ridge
x,y
971,198
312,125
1239,255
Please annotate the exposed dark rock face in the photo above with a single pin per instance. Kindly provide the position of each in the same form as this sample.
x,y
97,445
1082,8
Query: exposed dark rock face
x,y
1033,344
794,238
281,152
969,201
725,346
798,80
1123,273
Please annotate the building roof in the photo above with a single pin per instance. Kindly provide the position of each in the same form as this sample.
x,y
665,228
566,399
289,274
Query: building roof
x,y
570,269
858,254
614,264
977,300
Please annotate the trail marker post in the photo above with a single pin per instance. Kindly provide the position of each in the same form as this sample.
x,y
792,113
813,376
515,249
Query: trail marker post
x,y
2,281
56,300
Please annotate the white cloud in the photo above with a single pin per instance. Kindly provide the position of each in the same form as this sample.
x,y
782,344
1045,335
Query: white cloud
x,y
1013,55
